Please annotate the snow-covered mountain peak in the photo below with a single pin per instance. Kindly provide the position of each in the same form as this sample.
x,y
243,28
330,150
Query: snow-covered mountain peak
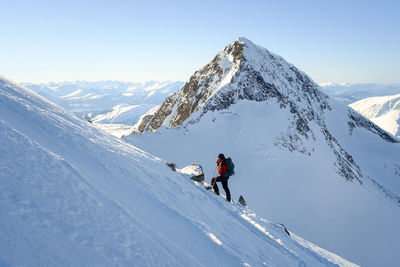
x,y
241,71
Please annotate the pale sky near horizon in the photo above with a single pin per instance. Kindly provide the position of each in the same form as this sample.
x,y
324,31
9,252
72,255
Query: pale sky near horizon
x,y
332,41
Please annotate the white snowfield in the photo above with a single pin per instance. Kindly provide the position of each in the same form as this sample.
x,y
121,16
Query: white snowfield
x,y
71,195
384,111
332,177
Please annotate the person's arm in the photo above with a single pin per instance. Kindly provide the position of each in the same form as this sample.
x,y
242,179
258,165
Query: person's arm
x,y
224,168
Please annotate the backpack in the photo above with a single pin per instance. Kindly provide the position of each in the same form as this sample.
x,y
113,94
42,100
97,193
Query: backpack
x,y
230,166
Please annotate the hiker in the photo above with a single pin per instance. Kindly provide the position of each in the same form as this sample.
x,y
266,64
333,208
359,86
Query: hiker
x,y
223,177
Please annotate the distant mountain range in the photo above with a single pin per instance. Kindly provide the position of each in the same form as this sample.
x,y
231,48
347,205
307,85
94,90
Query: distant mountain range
x,y
107,102
349,93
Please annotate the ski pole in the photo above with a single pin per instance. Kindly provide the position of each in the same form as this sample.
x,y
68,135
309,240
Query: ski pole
x,y
212,184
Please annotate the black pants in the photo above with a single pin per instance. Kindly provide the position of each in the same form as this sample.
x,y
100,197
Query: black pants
x,y
224,182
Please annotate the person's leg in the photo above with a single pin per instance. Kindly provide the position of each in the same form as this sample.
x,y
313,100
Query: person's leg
x,y
224,183
214,185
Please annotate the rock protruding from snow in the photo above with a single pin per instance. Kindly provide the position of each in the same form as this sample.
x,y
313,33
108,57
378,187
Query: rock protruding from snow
x,y
195,171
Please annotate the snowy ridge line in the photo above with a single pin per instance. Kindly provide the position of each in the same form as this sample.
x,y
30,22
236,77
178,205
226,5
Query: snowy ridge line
x,y
384,111
362,121
329,256
4,82
329,259
271,238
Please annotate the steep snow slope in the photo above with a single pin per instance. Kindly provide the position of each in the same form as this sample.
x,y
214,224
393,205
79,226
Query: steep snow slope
x,y
383,111
302,158
71,195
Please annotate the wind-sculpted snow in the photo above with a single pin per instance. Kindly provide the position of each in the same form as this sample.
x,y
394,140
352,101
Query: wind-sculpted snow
x,y
302,157
73,196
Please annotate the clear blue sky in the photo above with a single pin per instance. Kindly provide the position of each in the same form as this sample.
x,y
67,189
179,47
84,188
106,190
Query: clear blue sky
x,y
339,41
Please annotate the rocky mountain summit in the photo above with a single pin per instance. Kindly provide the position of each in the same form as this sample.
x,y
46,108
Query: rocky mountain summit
x,y
242,70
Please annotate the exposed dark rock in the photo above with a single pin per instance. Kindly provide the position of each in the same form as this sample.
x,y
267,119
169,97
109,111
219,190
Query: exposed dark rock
x,y
345,164
171,165
284,228
242,201
198,178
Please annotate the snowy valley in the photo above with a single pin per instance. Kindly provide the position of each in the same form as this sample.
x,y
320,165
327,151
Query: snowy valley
x,y
113,106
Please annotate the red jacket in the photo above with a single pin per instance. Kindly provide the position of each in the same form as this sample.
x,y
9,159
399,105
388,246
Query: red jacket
x,y
222,167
